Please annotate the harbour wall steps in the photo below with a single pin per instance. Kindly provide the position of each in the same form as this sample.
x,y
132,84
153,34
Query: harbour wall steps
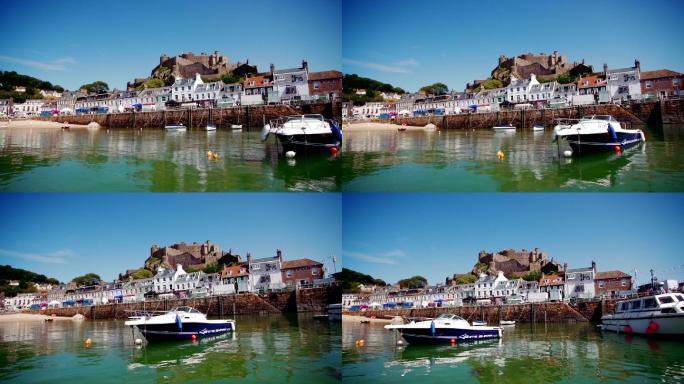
x,y
523,313
665,112
248,116
303,300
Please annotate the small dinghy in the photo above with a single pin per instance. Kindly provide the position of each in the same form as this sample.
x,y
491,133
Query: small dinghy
x,y
504,127
478,323
236,127
210,127
507,322
176,127
537,127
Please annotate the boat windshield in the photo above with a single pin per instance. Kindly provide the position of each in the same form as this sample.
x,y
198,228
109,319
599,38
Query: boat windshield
x,y
185,309
447,316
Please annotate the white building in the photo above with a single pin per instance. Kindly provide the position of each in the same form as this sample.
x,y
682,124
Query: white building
x,y
183,90
579,282
264,274
165,278
485,285
29,107
20,301
370,109
518,90
292,83
624,83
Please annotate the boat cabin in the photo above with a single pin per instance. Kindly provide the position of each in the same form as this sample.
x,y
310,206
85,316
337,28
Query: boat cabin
x,y
666,303
608,118
448,317
185,309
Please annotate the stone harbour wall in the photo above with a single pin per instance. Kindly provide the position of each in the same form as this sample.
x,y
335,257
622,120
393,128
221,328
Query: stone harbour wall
x,y
248,116
312,300
666,112
523,313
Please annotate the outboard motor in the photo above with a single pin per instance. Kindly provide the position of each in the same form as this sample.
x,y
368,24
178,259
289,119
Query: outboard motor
x,y
265,131
336,130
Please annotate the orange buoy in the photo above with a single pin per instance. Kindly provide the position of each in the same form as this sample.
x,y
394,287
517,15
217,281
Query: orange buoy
x,y
618,149
652,327
333,151
500,155
194,337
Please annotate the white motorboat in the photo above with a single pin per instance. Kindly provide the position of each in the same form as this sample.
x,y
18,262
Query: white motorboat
x,y
596,133
176,127
478,323
178,324
649,315
444,329
305,133
507,322
210,127
236,126
537,127
504,127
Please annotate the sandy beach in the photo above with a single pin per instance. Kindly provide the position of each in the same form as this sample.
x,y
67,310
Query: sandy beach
x,y
370,126
23,124
29,317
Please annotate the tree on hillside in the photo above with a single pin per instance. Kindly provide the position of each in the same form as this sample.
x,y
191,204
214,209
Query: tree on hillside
x,y
87,279
435,89
492,83
566,78
468,278
98,86
230,78
413,282
351,280
532,276
153,83
212,267
142,273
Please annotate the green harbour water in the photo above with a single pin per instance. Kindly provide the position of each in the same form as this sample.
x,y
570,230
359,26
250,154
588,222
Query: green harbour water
x,y
265,349
466,161
551,353
128,160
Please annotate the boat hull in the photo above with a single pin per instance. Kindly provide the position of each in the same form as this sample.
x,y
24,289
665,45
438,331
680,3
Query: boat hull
x,y
171,331
308,143
652,325
599,142
445,335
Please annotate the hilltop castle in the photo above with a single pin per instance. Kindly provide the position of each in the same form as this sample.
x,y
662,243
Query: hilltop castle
x,y
195,255
187,65
512,262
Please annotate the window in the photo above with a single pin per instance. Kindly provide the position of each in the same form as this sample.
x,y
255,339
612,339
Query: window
x,y
636,304
650,303
314,271
317,84
624,283
649,83
675,81
665,300
600,284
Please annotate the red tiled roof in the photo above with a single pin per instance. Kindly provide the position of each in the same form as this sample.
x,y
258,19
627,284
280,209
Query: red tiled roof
x,y
610,275
551,279
594,81
234,271
324,75
660,73
300,263
258,81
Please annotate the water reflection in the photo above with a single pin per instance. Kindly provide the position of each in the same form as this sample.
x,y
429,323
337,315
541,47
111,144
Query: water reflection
x,y
154,160
526,354
271,348
466,161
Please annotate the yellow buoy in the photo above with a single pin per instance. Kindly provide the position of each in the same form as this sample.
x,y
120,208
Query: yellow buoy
x,y
500,155
216,156
209,153
88,343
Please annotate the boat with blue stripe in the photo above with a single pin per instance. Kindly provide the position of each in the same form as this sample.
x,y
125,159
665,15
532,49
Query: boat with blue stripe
x,y
182,323
596,133
446,328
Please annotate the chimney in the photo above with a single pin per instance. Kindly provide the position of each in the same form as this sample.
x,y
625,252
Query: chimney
x,y
249,258
637,64
565,266
593,265
279,254
605,68
272,68
305,65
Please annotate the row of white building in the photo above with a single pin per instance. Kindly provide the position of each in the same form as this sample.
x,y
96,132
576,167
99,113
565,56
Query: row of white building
x,y
277,86
612,85
580,283
256,275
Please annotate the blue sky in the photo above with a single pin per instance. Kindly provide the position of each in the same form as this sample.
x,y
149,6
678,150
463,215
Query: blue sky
x,y
394,236
75,42
412,43
66,235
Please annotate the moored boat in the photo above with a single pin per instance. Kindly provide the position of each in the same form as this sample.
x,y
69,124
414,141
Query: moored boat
x,y
507,322
446,328
305,133
537,127
210,127
178,324
653,315
175,127
478,323
236,126
504,127
596,133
